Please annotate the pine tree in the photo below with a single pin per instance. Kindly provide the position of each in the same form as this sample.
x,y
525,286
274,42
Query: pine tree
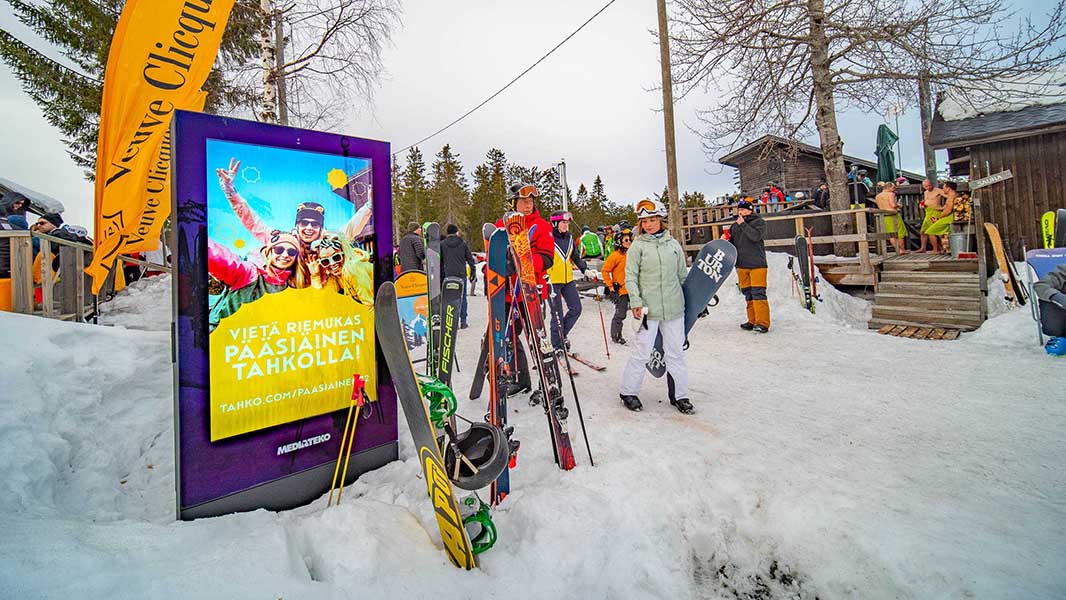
x,y
448,193
598,203
693,200
414,188
398,219
580,206
488,201
81,30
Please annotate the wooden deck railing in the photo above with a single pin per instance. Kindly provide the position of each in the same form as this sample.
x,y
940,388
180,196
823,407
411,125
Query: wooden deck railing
x,y
862,238
68,293
702,215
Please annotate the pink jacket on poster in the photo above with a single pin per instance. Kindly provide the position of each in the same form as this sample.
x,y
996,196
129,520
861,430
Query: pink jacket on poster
x,y
235,273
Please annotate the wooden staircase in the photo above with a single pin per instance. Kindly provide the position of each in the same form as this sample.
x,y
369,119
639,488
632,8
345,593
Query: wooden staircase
x,y
929,291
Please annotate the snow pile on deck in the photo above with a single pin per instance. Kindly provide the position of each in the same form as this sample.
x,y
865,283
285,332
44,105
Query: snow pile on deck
x,y
824,460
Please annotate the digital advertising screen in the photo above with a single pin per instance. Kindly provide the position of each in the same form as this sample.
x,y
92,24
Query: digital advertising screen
x,y
282,236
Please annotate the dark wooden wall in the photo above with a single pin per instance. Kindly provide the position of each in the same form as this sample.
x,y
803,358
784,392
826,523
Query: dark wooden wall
x,y
798,171
1039,184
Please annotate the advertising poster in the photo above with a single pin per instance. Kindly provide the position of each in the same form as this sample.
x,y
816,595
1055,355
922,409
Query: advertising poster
x,y
278,263
412,300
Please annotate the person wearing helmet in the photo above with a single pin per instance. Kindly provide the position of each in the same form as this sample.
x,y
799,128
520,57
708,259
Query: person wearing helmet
x,y
746,234
655,270
542,246
561,276
614,279
591,247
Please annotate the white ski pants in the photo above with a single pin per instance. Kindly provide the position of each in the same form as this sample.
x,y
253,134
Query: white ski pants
x,y
673,340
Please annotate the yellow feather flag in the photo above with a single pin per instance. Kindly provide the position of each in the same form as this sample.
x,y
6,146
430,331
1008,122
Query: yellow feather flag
x,y
161,54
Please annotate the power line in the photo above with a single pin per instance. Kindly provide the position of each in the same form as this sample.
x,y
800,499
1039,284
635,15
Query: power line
x,y
509,84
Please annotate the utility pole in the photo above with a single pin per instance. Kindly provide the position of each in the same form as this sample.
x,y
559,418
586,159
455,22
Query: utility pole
x,y
668,121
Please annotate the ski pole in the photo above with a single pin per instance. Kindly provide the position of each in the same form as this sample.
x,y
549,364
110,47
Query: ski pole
x,y
603,328
348,437
573,386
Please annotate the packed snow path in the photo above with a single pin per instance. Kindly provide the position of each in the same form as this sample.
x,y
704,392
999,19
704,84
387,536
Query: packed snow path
x,y
823,460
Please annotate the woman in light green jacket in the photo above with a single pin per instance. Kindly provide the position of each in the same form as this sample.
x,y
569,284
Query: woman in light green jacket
x,y
655,268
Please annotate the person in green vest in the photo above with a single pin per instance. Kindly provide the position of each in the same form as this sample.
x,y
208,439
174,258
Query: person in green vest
x,y
590,244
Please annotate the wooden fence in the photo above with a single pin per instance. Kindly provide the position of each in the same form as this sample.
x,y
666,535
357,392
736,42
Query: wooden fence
x,y
66,293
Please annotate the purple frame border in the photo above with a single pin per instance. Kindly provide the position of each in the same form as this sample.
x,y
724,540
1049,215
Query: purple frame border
x,y
207,472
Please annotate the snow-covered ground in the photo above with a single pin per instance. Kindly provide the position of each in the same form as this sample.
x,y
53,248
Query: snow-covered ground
x,y
824,460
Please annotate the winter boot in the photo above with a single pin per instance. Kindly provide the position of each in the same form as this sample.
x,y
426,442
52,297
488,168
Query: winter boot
x,y
760,329
747,326
514,389
621,341
683,406
463,325
631,402
1056,346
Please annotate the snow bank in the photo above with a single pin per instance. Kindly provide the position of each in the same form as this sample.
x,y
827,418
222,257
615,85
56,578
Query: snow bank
x,y
144,304
824,460
1037,89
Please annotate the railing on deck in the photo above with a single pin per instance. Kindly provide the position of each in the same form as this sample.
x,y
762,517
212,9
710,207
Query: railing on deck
x,y
702,215
65,293
864,235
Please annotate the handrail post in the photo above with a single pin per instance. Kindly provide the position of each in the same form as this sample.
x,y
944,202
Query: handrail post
x,y
79,285
880,228
47,281
864,242
22,274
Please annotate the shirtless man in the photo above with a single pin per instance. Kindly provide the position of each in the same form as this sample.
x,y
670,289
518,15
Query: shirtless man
x,y
933,203
886,200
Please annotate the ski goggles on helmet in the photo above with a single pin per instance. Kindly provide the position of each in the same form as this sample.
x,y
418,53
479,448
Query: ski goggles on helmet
x,y
564,216
650,208
524,191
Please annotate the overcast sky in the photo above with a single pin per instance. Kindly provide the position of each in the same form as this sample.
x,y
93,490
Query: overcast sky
x,y
593,102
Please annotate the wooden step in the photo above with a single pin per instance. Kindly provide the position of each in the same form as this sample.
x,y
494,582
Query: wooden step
x,y
932,266
933,278
952,290
968,303
881,323
925,317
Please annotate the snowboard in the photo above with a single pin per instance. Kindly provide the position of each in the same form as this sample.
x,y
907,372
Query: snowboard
x,y
451,302
544,357
497,357
803,255
709,271
445,505
1060,228
1047,229
431,239
1001,260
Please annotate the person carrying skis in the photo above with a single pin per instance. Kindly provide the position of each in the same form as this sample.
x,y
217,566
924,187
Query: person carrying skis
x,y
542,247
655,270
561,276
455,258
1051,290
590,244
614,278
746,234
412,250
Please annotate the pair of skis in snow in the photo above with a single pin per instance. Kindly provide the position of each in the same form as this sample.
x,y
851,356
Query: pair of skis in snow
x,y
804,273
445,301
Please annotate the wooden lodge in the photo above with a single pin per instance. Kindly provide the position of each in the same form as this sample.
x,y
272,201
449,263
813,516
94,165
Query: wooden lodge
x,y
1031,144
793,165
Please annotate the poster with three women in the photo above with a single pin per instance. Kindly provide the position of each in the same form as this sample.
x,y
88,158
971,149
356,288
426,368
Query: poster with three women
x,y
291,284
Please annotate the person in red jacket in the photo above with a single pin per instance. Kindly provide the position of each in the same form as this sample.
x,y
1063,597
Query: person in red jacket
x,y
542,245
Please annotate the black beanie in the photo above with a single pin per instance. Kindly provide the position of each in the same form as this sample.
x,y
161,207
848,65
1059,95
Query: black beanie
x,y
452,228
412,227
53,218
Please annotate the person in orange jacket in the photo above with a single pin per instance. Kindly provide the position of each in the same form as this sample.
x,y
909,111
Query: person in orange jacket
x,y
614,278
542,246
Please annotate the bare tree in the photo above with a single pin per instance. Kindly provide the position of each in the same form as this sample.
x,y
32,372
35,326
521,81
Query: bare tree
x,y
328,57
781,66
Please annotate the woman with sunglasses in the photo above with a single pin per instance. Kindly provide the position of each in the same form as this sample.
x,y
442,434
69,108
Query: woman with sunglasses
x,y
655,269
340,267
249,280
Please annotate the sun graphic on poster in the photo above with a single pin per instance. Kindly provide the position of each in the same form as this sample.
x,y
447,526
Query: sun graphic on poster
x,y
337,179
250,175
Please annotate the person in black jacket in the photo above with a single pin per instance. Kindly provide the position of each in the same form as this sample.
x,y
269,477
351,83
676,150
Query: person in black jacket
x,y
454,257
821,196
412,250
747,235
